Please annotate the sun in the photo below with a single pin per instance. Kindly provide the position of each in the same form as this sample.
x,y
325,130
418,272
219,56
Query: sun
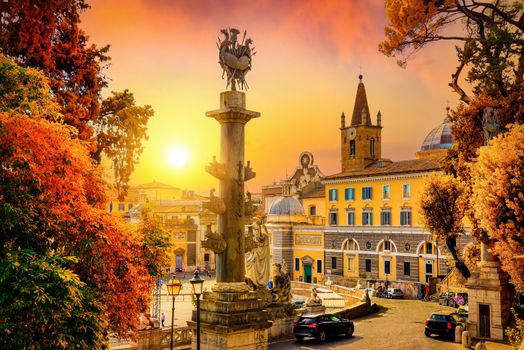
x,y
177,157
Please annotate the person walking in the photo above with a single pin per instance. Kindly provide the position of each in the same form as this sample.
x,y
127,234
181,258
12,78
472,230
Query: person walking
x,y
163,319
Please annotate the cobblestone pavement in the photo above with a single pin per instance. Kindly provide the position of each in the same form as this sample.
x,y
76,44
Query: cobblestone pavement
x,y
400,325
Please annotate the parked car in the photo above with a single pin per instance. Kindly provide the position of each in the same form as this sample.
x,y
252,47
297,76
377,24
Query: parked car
x,y
446,298
395,293
443,323
463,311
298,303
321,326
459,300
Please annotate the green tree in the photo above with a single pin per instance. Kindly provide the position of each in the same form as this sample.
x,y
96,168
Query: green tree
x,y
44,305
157,243
120,129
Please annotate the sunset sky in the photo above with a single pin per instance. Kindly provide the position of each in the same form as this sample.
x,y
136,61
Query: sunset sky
x,y
304,76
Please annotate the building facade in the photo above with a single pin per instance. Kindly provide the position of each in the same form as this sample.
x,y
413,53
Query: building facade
x,y
182,214
362,223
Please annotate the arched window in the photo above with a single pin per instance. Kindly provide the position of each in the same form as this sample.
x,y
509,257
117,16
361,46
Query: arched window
x,y
352,148
372,148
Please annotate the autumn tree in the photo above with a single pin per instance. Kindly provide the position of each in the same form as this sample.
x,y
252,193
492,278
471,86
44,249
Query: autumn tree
x,y
442,206
46,35
498,191
489,38
52,207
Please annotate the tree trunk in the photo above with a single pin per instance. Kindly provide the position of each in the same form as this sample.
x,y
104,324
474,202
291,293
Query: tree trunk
x,y
451,243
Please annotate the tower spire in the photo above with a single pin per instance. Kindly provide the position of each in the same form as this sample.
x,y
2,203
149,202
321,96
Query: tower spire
x,y
361,115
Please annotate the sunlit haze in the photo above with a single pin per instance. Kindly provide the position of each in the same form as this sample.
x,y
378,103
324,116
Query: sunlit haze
x,y
304,75
177,157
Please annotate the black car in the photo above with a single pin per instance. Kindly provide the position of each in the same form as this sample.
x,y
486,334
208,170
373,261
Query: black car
x,y
443,323
321,326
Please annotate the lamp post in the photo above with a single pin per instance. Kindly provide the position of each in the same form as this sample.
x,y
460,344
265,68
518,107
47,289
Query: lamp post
x,y
197,283
173,289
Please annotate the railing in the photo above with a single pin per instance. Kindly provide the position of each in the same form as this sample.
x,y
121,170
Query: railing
x,y
181,336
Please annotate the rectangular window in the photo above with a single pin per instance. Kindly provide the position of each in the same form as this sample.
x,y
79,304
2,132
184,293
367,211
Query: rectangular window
x,y
350,217
385,217
406,191
386,192
319,266
121,206
387,267
297,264
349,194
333,195
312,210
351,263
387,246
129,206
206,257
368,265
333,262
367,218
333,218
405,217
367,192
429,248
407,268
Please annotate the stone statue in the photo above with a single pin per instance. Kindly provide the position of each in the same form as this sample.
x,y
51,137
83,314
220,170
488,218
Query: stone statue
x,y
314,300
214,241
215,204
257,255
147,322
281,284
216,169
235,58
490,123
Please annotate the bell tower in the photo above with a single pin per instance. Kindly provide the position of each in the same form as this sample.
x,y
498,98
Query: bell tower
x,y
361,140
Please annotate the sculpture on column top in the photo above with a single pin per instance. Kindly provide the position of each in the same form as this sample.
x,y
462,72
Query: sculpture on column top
x,y
235,57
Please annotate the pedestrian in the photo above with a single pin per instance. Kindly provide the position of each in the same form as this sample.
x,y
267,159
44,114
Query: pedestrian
x,y
163,319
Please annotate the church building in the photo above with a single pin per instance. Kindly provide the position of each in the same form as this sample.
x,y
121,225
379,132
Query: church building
x,y
361,224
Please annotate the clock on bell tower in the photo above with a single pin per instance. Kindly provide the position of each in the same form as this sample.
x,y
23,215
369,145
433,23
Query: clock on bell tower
x,y
361,140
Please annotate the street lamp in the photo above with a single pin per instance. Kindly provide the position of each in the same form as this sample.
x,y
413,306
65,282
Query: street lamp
x,y
197,283
173,289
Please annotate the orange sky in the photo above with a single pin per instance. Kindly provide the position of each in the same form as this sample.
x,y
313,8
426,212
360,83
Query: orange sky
x,y
304,76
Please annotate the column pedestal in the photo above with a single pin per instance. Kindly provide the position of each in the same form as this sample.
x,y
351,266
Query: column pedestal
x,y
232,321
490,298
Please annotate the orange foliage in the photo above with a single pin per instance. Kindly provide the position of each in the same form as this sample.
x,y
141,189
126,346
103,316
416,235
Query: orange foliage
x,y
52,199
498,198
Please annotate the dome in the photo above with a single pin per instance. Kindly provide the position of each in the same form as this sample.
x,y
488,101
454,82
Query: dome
x,y
286,206
439,138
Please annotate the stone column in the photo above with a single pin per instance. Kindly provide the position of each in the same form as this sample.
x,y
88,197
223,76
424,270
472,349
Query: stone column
x,y
232,116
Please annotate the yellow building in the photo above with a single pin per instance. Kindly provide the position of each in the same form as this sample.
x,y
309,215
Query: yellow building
x,y
362,223
183,215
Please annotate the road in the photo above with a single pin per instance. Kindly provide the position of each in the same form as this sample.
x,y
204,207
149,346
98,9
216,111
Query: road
x,y
399,325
